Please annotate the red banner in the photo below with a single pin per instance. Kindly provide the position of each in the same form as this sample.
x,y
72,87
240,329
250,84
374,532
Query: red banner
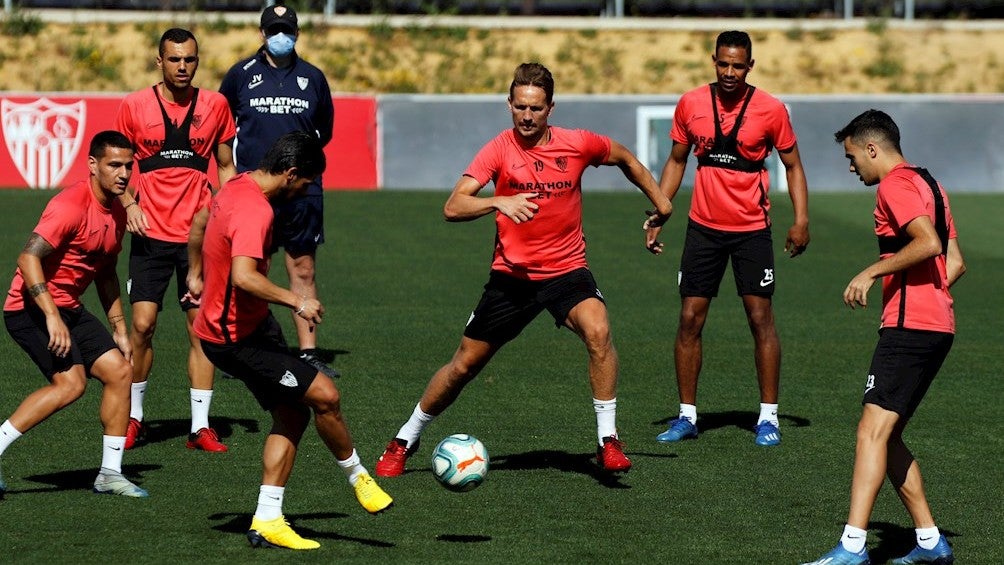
x,y
45,139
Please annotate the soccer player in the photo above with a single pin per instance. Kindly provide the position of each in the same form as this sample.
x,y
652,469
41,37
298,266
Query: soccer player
x,y
540,257
272,93
175,128
732,127
920,260
77,241
240,335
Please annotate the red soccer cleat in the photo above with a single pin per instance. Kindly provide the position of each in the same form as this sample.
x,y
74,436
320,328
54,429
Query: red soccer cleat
x,y
134,432
206,440
611,456
391,463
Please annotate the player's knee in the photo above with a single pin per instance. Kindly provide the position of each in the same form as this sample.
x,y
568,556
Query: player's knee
x,y
144,327
69,389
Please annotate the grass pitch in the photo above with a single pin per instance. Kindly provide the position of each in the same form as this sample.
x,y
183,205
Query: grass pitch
x,y
399,282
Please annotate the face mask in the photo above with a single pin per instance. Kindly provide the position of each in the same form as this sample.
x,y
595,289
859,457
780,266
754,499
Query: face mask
x,y
280,44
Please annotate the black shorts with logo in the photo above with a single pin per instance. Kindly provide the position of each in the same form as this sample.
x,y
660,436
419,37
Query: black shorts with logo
x,y
706,252
903,367
299,224
89,338
272,373
152,262
509,304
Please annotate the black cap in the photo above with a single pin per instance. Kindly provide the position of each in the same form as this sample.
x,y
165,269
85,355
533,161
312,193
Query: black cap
x,y
279,17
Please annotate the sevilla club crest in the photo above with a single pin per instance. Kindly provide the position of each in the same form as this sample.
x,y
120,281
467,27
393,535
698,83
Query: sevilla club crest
x,y
562,163
43,138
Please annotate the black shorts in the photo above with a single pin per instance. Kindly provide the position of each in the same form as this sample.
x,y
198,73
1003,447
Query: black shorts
x,y
706,252
299,224
903,367
509,304
272,373
89,338
151,264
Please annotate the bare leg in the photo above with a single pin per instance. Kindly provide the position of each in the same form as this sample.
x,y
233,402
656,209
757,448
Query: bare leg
x,y
767,346
589,320
324,399
870,462
688,348
301,282
65,389
115,375
144,324
904,474
288,424
445,385
200,369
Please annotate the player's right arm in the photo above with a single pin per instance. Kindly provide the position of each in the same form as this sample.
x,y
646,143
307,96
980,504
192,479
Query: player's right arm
x,y
954,262
195,237
464,204
30,263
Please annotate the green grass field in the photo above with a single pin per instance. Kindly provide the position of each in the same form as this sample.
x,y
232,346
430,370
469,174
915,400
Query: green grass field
x,y
399,283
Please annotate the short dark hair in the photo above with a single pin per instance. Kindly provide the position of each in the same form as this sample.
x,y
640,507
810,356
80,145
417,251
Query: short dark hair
x,y
735,38
871,125
177,35
105,139
533,74
299,150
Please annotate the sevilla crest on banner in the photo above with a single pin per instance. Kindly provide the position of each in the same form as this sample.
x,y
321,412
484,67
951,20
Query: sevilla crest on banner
x,y
43,138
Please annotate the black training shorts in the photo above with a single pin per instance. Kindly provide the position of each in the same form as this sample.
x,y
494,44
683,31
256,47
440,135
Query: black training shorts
x,y
509,304
152,262
272,373
903,367
89,338
706,251
299,224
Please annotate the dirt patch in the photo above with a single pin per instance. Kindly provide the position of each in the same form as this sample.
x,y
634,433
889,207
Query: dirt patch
x,y
117,57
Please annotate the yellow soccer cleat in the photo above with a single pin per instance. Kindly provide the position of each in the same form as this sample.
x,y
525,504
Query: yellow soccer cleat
x,y
277,533
371,496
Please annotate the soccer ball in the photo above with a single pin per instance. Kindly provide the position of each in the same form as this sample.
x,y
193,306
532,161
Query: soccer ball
x,y
460,462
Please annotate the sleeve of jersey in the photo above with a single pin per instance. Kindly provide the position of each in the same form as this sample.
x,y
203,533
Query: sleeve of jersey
x,y
248,236
595,147
58,224
784,133
902,200
123,120
486,163
678,132
227,130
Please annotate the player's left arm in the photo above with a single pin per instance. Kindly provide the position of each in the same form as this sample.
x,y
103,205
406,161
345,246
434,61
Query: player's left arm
x,y
106,283
924,244
955,264
245,276
798,190
640,176
196,236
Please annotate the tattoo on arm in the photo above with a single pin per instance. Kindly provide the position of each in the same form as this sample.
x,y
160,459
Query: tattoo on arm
x,y
37,246
36,289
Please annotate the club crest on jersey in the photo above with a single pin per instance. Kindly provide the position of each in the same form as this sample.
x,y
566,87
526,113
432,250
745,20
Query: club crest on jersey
x,y
562,163
302,82
197,121
43,138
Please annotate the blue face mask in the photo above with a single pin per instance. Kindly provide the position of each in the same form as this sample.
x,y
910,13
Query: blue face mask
x,y
280,44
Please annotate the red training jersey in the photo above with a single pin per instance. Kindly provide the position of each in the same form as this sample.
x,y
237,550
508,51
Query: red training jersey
x,y
726,199
552,243
170,197
240,225
86,237
919,294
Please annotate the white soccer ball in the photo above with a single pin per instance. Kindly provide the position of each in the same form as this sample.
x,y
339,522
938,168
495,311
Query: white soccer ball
x,y
460,462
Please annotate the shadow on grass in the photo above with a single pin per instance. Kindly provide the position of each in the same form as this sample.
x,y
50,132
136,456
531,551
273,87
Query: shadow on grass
x,y
582,463
742,419
238,523
894,541
158,431
80,479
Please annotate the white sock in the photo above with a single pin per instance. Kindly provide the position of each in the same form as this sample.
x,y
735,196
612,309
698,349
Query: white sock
x,y
136,396
353,467
200,400
768,412
853,538
111,452
689,411
414,426
927,538
7,435
269,502
606,418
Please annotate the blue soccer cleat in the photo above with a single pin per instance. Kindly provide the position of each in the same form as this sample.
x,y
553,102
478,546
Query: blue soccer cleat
x,y
940,554
767,434
679,429
840,556
109,482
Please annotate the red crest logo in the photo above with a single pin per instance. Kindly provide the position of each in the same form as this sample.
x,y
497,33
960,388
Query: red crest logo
x,y
43,138
562,163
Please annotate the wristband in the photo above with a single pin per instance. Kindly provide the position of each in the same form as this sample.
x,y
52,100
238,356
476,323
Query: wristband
x,y
133,203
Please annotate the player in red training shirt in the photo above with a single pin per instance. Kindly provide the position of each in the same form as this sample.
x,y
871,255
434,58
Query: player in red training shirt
x,y
229,261
920,260
729,220
77,241
540,257
176,129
